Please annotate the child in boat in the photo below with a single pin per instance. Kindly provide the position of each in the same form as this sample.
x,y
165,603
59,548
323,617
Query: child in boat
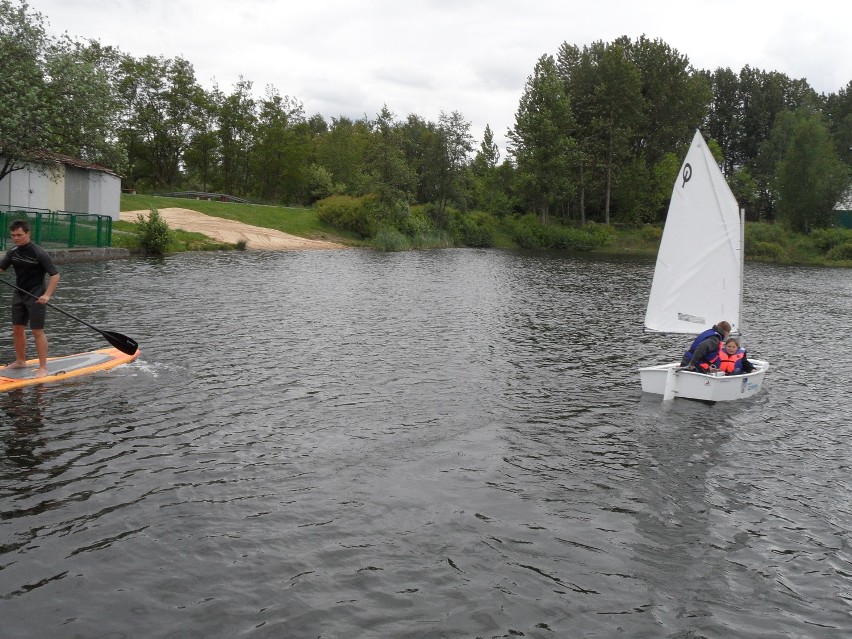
x,y
732,359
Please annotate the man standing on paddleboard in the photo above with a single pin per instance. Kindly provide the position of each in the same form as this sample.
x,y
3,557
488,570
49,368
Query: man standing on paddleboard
x,y
31,264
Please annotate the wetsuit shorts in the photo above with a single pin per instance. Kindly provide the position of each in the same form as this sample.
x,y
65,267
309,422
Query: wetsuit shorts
x,y
26,308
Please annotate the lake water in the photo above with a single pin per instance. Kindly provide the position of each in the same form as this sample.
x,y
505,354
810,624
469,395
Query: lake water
x,y
426,444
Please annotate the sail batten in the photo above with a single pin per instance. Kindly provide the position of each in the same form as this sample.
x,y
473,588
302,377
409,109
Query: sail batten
x,y
697,278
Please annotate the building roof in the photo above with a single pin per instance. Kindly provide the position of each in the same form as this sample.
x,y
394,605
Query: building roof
x,y
68,160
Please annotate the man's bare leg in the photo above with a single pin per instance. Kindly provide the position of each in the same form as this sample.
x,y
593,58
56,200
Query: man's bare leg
x,y
41,348
19,338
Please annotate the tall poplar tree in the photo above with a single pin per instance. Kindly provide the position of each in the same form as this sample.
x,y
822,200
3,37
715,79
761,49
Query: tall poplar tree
x,y
280,153
390,176
541,141
164,112
811,178
236,128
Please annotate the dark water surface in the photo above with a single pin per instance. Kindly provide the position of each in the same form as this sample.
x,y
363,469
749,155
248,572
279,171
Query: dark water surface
x,y
426,444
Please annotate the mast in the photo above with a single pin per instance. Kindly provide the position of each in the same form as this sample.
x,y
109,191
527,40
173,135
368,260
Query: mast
x,y
742,268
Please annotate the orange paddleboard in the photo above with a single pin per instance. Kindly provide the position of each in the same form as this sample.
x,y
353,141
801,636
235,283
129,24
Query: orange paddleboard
x,y
60,368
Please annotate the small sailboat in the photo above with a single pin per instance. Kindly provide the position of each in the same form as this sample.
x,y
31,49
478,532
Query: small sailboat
x,y
698,278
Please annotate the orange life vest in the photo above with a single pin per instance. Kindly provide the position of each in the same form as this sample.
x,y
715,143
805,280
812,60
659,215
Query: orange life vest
x,y
729,363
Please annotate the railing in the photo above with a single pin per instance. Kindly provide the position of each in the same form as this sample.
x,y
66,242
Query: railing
x,y
58,229
203,195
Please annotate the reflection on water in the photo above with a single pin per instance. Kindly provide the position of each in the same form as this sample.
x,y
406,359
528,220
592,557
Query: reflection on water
x,y
434,444
22,416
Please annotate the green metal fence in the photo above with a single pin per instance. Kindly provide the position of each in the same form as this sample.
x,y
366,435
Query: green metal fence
x,y
59,229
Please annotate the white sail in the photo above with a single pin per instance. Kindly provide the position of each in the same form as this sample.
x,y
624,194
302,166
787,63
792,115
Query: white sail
x,y
698,276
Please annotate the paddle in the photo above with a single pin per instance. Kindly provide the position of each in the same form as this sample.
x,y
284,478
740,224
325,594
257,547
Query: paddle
x,y
121,342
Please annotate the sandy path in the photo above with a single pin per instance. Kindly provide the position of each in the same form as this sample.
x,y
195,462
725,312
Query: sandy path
x,y
256,237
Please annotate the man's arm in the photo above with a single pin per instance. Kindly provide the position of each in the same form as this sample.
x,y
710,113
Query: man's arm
x,y
707,346
52,283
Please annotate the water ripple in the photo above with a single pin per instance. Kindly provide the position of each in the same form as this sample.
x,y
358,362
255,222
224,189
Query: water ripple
x,y
435,444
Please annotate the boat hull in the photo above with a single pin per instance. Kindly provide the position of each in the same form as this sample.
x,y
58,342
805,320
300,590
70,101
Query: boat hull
x,y
688,385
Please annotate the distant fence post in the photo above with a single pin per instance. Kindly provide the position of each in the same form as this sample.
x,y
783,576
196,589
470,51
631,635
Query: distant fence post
x,y
72,230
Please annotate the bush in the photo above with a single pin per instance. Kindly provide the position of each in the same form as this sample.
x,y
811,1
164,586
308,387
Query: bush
x,y
768,250
348,213
417,225
827,239
765,232
474,229
651,233
389,239
600,234
153,233
527,232
320,182
840,252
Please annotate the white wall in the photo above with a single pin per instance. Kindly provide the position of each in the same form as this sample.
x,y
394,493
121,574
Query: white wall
x,y
26,188
56,190
29,188
104,194
83,190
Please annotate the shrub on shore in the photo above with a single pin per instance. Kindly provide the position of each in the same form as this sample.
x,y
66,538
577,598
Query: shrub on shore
x,y
153,233
528,232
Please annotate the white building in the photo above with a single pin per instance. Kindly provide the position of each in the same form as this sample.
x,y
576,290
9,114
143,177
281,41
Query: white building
x,y
70,186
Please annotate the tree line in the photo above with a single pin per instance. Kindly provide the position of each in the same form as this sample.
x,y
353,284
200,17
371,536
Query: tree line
x,y
599,135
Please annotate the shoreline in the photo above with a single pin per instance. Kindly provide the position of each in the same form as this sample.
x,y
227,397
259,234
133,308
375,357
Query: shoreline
x,y
87,254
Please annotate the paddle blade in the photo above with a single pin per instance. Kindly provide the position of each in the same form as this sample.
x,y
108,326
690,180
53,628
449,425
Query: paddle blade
x,y
121,342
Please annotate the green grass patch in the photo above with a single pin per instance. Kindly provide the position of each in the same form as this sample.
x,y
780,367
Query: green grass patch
x,y
296,221
124,235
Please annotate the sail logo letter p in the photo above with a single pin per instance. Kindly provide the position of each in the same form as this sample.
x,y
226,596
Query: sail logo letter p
x,y
687,174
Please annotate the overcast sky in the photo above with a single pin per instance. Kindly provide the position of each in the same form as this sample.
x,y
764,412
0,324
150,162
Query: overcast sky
x,y
350,57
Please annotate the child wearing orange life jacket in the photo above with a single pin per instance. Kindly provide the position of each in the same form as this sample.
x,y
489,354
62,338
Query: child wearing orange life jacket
x,y
732,359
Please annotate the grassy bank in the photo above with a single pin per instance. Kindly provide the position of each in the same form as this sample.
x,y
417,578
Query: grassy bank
x,y
296,221
764,242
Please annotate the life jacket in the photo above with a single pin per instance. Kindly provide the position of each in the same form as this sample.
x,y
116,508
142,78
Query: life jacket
x,y
710,332
729,363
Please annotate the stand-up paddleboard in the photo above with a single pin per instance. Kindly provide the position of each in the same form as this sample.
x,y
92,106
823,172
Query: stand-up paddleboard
x,y
60,368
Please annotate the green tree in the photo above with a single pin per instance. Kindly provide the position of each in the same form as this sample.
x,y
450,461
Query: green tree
x,y
56,95
811,178
616,110
424,148
674,97
578,71
762,99
236,130
635,102
280,154
489,193
320,183
604,86
389,175
164,112
723,120
457,146
541,141
838,113
342,150
202,153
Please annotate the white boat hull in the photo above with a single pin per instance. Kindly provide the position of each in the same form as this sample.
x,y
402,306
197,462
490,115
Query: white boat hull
x,y
688,385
